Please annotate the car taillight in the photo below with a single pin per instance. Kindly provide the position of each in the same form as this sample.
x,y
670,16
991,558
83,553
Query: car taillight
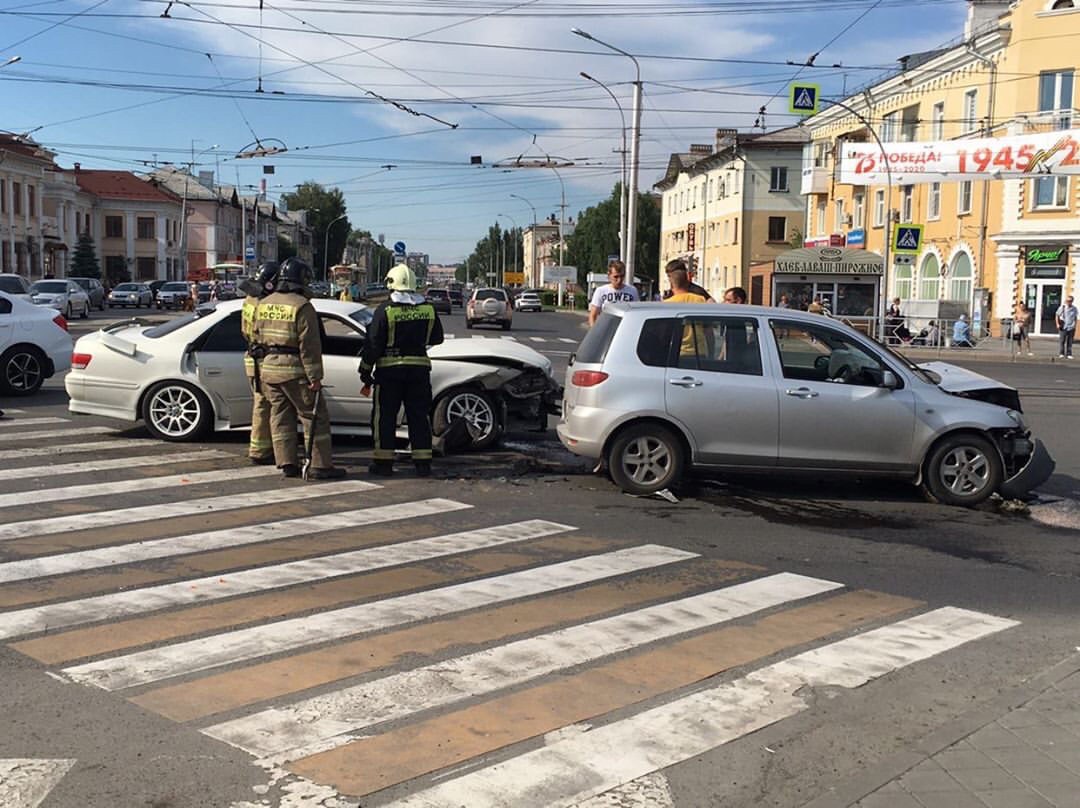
x,y
79,361
60,321
587,378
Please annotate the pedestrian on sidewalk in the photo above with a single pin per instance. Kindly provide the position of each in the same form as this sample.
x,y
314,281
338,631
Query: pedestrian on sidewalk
x,y
1066,325
679,265
1021,328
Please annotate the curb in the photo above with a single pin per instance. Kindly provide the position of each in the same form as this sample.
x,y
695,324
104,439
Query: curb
x,y
866,782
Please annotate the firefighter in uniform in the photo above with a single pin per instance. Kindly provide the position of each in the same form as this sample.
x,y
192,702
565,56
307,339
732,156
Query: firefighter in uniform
x,y
260,447
395,360
286,335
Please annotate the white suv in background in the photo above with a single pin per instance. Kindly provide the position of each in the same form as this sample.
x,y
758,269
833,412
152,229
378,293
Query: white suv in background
x,y
488,305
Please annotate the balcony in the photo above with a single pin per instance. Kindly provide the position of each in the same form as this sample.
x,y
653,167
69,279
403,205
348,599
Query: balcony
x,y
816,179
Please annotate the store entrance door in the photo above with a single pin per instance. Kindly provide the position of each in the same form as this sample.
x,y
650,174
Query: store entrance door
x,y
1043,299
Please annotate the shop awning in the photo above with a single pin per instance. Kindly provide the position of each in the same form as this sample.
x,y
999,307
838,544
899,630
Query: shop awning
x,y
829,261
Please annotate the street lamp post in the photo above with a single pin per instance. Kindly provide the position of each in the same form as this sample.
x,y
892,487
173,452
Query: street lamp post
x,y
514,223
183,208
532,269
326,245
635,141
623,192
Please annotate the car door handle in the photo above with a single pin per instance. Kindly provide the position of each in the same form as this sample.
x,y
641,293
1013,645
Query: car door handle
x,y
801,392
213,371
686,381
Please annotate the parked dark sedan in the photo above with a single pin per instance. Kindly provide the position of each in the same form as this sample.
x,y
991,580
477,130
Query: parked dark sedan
x,y
440,300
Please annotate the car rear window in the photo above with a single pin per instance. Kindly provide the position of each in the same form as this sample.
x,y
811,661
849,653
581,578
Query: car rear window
x,y
12,286
437,293
487,294
176,323
595,346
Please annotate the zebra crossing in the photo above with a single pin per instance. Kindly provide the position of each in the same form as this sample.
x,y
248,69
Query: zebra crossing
x,y
370,642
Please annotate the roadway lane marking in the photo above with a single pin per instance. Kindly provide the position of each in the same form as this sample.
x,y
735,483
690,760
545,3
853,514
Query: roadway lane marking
x,y
219,539
31,422
569,771
156,664
26,782
277,576
567,339
9,411
189,507
98,446
538,339
138,484
240,687
333,719
55,470
384,759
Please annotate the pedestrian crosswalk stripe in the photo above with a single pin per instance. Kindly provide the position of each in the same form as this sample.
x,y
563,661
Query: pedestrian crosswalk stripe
x,y
218,587
54,434
206,653
10,411
379,760
54,470
567,339
576,768
537,339
262,681
32,421
230,537
129,486
80,644
190,506
323,722
74,448
26,782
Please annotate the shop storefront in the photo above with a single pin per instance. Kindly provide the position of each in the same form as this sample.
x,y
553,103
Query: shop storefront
x,y
847,280
1045,270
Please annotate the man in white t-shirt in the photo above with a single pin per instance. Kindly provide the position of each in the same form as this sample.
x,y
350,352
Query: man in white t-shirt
x,y
617,290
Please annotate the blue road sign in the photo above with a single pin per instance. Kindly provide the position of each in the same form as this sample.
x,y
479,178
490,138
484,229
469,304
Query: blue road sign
x,y
399,248
249,253
803,99
907,238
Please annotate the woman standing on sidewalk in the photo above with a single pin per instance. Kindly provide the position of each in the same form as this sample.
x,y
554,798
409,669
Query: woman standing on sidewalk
x,y
1021,327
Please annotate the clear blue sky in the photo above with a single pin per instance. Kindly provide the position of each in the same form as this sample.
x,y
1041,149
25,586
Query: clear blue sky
x,y
114,84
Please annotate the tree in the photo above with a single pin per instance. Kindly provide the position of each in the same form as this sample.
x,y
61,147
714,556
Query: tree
x,y
596,237
486,259
285,248
323,207
84,262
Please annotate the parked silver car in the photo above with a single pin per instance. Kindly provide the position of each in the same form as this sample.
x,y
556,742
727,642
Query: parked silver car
x,y
94,290
66,296
657,388
131,294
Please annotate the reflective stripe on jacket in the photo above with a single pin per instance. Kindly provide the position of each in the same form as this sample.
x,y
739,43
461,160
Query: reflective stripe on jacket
x,y
288,321
247,328
398,336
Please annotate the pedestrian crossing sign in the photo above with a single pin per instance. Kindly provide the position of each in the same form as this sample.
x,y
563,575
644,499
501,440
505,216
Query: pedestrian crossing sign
x,y
803,99
907,238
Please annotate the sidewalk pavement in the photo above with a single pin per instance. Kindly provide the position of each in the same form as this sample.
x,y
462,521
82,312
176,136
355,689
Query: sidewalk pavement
x,y
1022,750
990,349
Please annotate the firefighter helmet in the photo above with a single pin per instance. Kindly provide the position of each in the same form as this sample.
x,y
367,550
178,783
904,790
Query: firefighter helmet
x,y
401,279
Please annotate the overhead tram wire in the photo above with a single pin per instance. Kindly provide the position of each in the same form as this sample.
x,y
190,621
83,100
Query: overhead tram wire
x,y
67,17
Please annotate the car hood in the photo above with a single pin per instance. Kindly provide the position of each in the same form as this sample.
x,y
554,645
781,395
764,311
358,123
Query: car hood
x,y
968,384
490,351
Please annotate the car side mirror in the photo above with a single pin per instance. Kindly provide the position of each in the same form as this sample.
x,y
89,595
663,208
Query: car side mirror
x,y
573,356
889,380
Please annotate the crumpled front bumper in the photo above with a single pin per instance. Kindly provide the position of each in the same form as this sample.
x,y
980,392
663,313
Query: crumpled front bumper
x,y
1034,473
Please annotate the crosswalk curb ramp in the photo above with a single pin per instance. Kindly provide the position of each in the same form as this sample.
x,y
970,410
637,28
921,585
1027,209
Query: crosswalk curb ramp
x,y
365,643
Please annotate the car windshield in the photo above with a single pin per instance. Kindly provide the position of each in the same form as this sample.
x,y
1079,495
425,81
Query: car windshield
x,y
126,287
175,287
49,286
11,285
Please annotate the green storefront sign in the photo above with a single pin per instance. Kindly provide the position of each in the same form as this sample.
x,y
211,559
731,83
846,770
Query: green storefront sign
x,y
1046,255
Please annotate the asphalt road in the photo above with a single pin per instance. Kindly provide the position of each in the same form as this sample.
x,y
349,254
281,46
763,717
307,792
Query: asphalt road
x,y
131,662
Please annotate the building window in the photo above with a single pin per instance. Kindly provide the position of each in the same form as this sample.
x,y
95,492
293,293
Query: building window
x,y
146,268
778,179
860,199
838,210
937,121
727,230
930,278
879,208
909,123
820,218
934,207
960,279
888,127
1051,192
1055,96
16,197
971,112
963,197
1062,5
902,285
907,203
30,206
777,228
735,232
114,227
3,196
144,227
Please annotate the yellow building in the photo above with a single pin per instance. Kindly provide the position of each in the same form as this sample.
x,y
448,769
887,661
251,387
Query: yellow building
x,y
992,236
732,204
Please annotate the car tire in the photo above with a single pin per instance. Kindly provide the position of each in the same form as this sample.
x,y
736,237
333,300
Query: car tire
x,y
963,470
176,411
479,411
646,458
67,312
101,306
85,315
22,370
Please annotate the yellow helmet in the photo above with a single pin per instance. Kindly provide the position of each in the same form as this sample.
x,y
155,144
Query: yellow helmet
x,y
401,279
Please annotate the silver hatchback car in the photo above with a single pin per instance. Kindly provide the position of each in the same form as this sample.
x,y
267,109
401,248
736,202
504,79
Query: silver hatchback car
x,y
658,388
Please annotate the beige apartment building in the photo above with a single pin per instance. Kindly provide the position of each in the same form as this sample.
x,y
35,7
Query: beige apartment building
x,y
23,167
731,205
1000,224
